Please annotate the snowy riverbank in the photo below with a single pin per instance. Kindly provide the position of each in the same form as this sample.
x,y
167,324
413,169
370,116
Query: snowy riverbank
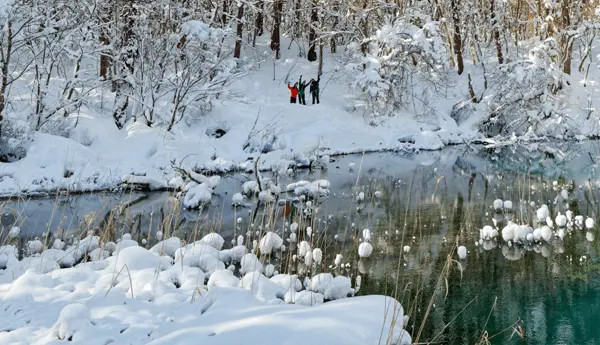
x,y
175,295
254,120
96,155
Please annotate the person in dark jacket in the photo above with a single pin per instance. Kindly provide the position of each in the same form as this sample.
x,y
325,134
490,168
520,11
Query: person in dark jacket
x,y
301,88
293,92
314,89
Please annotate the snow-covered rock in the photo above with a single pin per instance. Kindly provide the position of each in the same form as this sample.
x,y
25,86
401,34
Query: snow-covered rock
x,y
197,196
250,263
167,247
287,281
338,287
320,282
222,278
308,298
214,240
73,318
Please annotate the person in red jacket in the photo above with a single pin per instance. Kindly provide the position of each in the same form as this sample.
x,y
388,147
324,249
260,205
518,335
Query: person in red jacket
x,y
294,92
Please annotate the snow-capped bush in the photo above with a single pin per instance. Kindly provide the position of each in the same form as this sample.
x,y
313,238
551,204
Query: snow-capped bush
x,y
524,97
403,53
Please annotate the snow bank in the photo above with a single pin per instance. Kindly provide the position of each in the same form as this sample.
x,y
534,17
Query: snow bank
x,y
97,156
100,302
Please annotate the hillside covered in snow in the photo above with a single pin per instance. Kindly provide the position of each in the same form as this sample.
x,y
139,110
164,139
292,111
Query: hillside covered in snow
x,y
103,93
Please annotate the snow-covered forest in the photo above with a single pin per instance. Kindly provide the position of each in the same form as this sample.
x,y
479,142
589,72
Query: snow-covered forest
x,y
98,78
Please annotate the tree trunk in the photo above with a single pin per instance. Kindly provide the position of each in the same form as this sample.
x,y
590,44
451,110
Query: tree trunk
x,y
312,36
5,63
567,42
275,35
457,38
224,13
364,26
297,13
239,31
127,55
104,58
496,33
259,22
320,58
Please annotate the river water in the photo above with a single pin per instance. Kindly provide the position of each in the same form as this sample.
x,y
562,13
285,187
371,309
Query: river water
x,y
432,202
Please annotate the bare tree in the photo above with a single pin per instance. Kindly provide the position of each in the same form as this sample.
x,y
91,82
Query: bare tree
x,y
239,31
276,34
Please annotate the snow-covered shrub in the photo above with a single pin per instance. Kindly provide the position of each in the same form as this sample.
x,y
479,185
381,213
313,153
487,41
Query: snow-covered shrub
x,y
402,54
176,77
15,140
525,96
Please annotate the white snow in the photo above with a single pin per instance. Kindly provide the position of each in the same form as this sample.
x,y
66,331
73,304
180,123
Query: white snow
x,y
317,255
214,240
222,278
338,288
365,249
542,213
14,232
338,259
197,196
72,321
250,263
96,303
498,204
546,233
237,199
269,270
303,248
167,247
462,252
589,223
366,234
320,282
308,258
270,242
561,220
287,282
488,233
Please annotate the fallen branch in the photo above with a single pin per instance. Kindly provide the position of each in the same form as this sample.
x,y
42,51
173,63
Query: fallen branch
x,y
256,173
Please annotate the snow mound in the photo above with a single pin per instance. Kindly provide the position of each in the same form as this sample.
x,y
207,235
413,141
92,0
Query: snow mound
x,y
250,263
166,247
197,196
136,258
339,287
214,240
222,278
72,319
